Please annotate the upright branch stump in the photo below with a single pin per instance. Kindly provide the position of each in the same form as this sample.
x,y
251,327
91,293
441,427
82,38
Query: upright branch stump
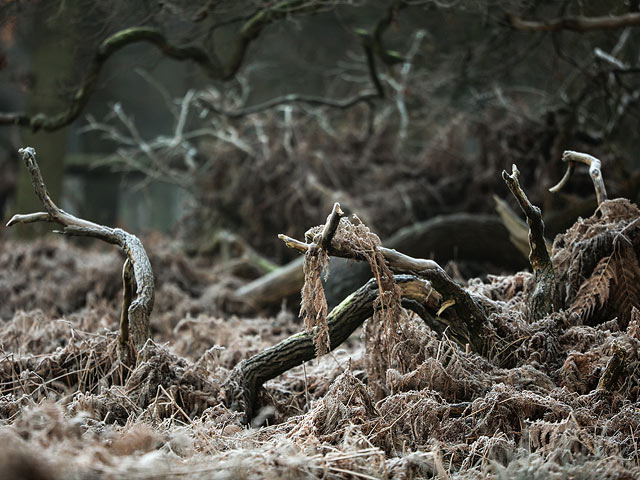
x,y
541,301
135,324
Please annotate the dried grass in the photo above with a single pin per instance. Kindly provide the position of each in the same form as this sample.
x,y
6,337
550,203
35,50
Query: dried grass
x,y
405,403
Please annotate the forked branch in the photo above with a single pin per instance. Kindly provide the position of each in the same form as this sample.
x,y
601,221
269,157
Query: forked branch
x,y
138,311
594,172
541,301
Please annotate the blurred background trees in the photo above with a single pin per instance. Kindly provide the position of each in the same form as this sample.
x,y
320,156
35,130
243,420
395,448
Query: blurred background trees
x,y
255,116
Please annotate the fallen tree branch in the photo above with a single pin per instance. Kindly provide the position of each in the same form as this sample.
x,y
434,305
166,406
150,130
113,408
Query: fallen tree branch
x,y
139,310
594,172
576,23
474,237
541,300
466,328
241,388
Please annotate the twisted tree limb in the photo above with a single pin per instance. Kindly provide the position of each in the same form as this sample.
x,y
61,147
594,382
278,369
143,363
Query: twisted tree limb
x,y
210,65
576,23
466,328
138,311
594,172
541,300
241,388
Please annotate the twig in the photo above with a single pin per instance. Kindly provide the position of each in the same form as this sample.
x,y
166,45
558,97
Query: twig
x,y
140,309
594,172
343,104
541,300
576,23
330,226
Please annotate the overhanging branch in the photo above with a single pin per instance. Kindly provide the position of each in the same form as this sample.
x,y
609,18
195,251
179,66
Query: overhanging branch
x,y
576,23
209,64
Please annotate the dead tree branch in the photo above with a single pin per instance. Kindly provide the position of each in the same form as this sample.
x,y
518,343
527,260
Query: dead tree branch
x,y
210,65
139,310
541,300
245,380
312,100
466,328
576,23
594,172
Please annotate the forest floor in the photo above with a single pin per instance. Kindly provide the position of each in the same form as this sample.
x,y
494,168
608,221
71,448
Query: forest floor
x,y
69,409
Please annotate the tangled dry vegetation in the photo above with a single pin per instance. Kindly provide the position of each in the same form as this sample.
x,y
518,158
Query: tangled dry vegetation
x,y
553,397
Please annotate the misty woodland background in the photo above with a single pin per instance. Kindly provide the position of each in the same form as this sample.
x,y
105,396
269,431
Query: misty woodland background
x,y
208,128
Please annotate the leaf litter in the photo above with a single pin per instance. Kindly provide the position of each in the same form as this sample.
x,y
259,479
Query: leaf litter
x,y
412,406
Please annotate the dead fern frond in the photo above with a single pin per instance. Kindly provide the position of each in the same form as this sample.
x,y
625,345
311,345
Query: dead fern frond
x,y
594,292
313,307
625,294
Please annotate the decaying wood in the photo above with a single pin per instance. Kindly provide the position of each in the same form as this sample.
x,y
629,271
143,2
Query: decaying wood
x,y
594,172
242,386
471,318
541,300
482,238
138,310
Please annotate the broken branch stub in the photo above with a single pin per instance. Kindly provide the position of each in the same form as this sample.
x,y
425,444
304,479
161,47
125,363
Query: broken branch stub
x,y
594,172
138,310
541,301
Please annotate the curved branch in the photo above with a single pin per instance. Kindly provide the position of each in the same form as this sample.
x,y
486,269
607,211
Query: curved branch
x,y
210,65
576,23
140,309
595,173
241,388
467,328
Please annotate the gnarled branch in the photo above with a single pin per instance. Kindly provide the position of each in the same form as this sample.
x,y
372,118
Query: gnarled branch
x,y
541,300
594,172
139,310
209,64
241,388
467,328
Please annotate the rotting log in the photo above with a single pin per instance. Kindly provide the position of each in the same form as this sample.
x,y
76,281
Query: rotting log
x,y
242,386
541,301
136,324
482,238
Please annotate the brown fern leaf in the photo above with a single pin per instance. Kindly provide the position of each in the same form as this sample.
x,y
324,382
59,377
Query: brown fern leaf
x,y
625,290
313,307
594,292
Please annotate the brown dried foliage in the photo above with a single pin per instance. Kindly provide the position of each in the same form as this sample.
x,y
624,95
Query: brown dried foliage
x,y
597,263
433,410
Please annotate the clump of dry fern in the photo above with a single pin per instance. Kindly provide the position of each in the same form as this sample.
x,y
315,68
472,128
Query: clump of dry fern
x,y
597,264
